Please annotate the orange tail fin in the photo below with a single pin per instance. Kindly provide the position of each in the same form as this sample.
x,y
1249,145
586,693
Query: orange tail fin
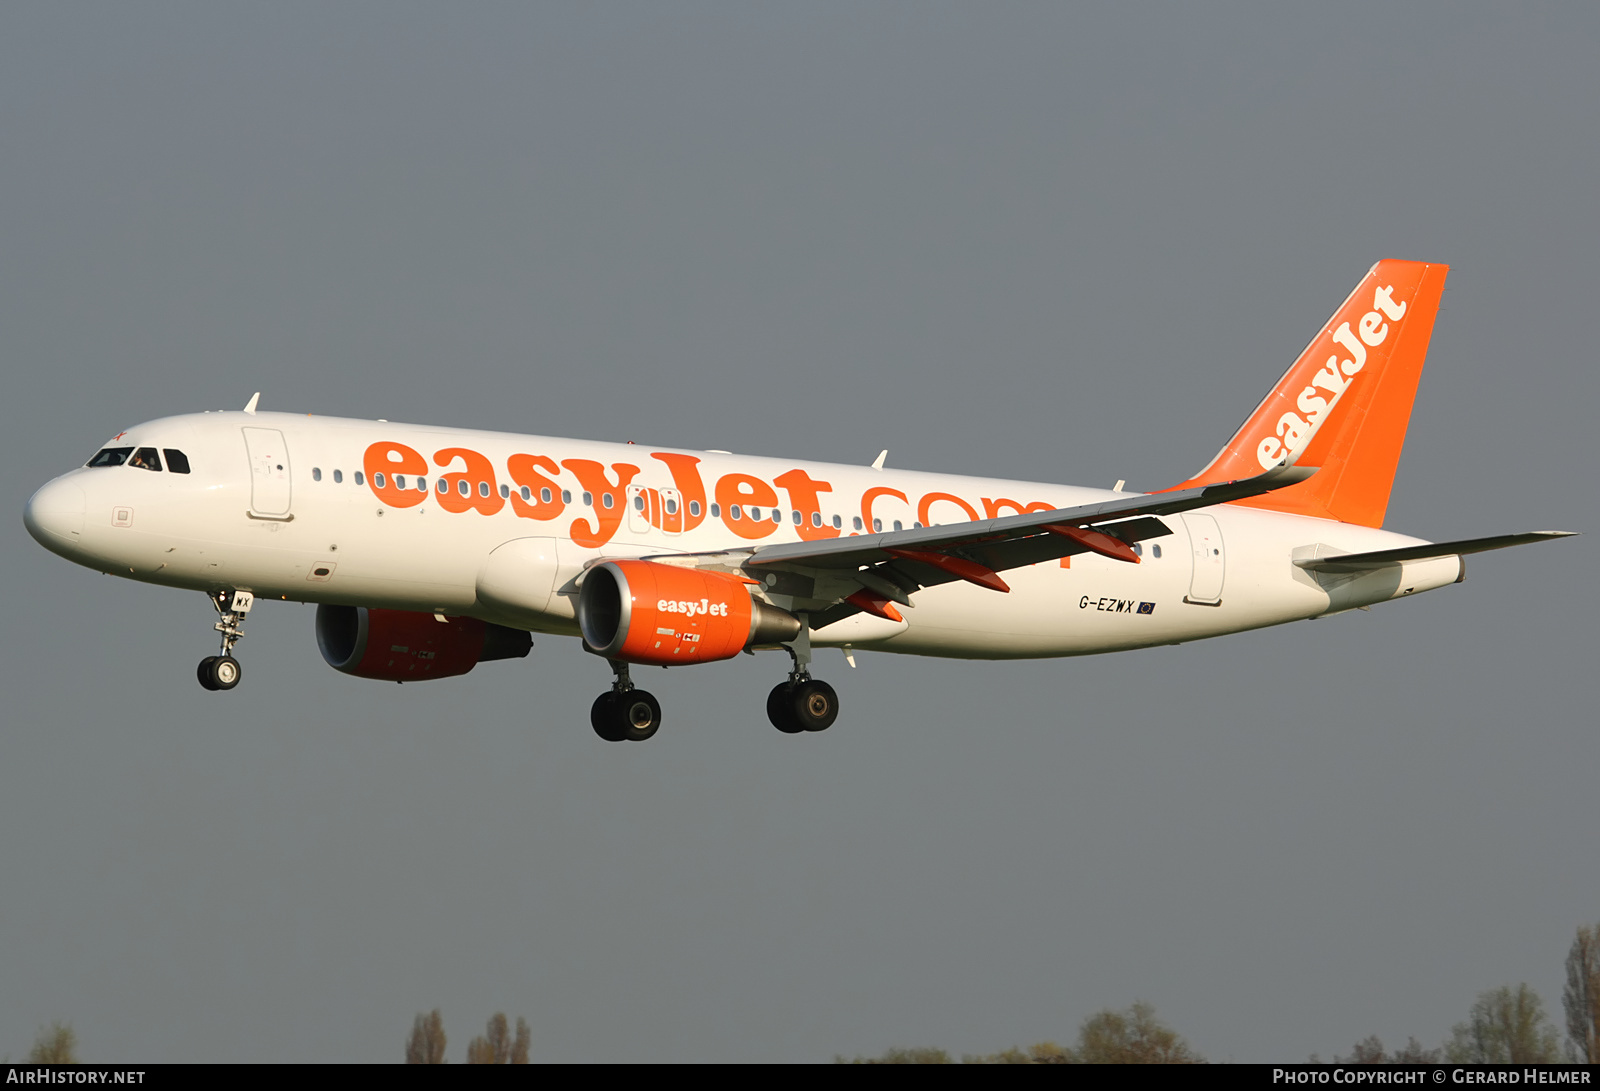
x,y
1344,404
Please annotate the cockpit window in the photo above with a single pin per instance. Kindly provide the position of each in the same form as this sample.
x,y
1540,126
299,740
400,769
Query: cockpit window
x,y
111,456
177,461
145,458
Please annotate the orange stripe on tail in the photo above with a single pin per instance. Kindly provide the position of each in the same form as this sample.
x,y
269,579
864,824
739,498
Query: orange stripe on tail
x,y
1344,405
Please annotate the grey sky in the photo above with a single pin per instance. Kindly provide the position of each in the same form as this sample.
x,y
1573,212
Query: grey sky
x,y
998,239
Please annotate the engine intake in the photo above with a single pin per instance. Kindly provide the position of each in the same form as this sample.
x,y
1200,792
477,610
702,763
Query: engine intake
x,y
401,646
644,612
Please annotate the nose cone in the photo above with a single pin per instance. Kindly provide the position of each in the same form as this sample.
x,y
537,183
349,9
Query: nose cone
x,y
54,516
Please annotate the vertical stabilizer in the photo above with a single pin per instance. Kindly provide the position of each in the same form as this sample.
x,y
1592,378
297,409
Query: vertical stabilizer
x,y
1344,405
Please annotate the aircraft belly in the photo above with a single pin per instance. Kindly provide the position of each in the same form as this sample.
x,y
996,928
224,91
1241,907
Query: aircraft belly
x,y
1096,605
1101,605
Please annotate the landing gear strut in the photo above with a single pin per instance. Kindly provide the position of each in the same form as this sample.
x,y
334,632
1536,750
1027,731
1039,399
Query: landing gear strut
x,y
622,713
803,703
221,672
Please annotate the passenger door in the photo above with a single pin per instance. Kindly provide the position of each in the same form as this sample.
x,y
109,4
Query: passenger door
x,y
269,473
1210,562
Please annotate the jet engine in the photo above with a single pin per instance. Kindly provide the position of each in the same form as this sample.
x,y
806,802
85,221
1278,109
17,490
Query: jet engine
x,y
645,612
400,646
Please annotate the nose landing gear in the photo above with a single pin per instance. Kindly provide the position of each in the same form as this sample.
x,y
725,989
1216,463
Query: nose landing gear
x,y
222,672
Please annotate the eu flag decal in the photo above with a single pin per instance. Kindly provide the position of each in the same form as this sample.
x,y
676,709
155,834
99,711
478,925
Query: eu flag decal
x,y
1147,607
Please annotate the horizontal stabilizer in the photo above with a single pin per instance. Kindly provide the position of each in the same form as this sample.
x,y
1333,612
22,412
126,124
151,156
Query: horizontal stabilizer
x,y
1366,562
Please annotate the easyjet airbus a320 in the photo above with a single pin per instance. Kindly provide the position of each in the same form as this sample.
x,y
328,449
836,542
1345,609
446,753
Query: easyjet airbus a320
x,y
430,550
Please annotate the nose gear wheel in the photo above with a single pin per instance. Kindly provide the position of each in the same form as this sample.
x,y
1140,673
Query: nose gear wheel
x,y
219,672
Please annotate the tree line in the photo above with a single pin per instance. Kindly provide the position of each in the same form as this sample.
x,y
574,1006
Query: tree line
x,y
1507,1025
425,1044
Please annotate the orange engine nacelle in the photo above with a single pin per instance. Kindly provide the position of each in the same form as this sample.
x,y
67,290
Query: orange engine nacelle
x,y
644,612
400,646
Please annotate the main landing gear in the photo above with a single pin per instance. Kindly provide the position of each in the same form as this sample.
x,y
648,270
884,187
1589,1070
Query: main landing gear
x,y
624,714
221,672
803,703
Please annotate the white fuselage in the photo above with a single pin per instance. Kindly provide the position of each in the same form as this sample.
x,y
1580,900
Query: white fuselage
x,y
281,514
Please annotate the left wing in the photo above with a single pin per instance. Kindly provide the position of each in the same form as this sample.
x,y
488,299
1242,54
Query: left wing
x,y
841,576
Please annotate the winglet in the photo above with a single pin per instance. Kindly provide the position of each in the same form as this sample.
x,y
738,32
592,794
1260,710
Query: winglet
x,y
250,406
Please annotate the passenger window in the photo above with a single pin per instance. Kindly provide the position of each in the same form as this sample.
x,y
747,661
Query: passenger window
x,y
877,526
816,518
777,516
796,518
694,508
856,522
1138,550
177,461
360,478
505,491
444,487
399,481
588,499
897,525
544,495
422,484
316,473
338,475
607,499
716,511
377,479
735,513
755,513
838,523
566,496
1156,551
483,488
111,456
672,506
463,488
145,458
638,502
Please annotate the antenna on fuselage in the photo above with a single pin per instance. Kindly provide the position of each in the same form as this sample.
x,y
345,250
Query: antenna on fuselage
x,y
250,406
877,463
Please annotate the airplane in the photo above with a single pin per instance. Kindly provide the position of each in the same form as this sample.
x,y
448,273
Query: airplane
x,y
429,550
